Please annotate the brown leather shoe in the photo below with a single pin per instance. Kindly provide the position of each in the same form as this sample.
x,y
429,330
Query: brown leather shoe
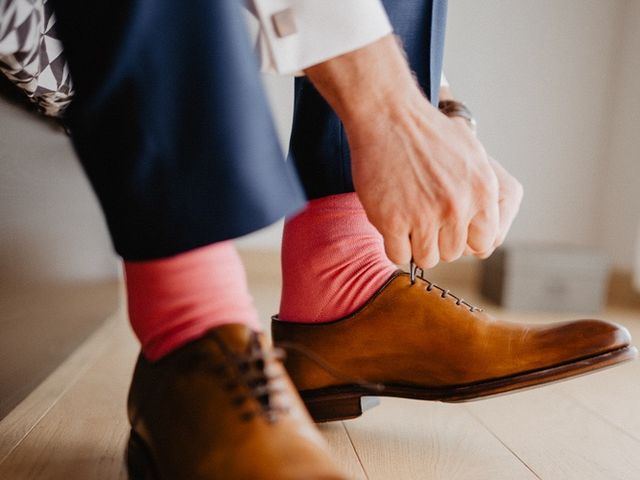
x,y
416,340
222,407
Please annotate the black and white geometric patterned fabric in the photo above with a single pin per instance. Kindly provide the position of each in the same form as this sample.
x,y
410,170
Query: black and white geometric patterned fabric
x,y
31,54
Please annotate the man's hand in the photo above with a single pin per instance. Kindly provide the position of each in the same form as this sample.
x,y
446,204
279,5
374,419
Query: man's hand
x,y
424,179
426,184
510,193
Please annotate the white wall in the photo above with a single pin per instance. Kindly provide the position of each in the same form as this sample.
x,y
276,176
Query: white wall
x,y
541,78
554,84
620,189
51,226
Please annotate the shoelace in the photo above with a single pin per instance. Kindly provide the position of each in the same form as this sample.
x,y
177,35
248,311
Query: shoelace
x,y
251,369
416,272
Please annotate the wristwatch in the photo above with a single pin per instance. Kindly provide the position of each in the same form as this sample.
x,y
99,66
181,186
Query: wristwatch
x,y
454,108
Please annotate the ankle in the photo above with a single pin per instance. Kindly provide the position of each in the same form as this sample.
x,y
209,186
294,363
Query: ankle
x,y
175,300
333,260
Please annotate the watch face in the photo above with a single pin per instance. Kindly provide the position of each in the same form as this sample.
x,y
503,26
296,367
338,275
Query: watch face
x,y
454,108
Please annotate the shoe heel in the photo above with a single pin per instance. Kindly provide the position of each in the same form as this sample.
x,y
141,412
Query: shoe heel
x,y
140,465
338,407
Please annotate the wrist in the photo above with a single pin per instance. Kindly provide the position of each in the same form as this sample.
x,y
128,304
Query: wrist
x,y
458,110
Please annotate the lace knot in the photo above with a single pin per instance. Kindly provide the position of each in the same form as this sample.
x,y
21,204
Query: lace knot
x,y
252,370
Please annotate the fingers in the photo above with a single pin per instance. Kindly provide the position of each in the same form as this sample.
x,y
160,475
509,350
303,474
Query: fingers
x,y
447,243
422,249
507,216
510,197
509,205
398,248
452,240
478,237
483,229
424,246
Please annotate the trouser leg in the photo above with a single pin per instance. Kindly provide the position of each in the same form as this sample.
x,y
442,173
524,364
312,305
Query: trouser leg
x,y
171,124
333,259
319,146
173,130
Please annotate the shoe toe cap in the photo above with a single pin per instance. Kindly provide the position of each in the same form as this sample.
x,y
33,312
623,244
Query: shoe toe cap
x,y
590,337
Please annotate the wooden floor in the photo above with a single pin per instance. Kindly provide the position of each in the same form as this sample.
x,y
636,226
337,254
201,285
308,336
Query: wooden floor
x,y
41,325
73,426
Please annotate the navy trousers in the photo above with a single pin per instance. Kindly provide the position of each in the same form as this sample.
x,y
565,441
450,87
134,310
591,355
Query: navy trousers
x,y
319,146
171,124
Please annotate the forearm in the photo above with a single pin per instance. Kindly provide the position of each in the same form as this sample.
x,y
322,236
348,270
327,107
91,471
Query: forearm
x,y
364,84
425,181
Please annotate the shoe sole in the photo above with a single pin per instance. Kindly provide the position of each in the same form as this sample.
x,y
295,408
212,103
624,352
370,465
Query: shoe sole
x,y
346,402
140,464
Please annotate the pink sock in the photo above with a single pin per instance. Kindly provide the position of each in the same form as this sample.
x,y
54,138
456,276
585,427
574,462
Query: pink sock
x,y
178,299
333,260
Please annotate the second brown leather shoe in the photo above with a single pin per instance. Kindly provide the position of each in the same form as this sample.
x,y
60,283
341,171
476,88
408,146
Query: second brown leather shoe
x,y
222,407
414,339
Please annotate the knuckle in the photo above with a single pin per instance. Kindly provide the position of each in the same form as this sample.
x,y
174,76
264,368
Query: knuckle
x,y
452,208
393,225
486,188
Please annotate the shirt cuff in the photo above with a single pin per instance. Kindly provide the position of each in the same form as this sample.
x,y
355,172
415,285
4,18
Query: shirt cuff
x,y
296,34
443,81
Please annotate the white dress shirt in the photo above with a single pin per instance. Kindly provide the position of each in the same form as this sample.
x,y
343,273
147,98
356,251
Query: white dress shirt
x,y
295,34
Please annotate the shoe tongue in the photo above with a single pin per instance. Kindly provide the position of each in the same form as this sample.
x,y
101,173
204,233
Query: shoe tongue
x,y
236,337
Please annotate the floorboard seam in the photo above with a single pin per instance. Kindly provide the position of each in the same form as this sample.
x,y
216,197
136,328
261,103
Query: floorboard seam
x,y
493,434
364,470
106,328
599,415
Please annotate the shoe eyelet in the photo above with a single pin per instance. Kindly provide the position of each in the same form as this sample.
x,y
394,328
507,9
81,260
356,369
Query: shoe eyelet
x,y
237,401
247,416
271,416
445,292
